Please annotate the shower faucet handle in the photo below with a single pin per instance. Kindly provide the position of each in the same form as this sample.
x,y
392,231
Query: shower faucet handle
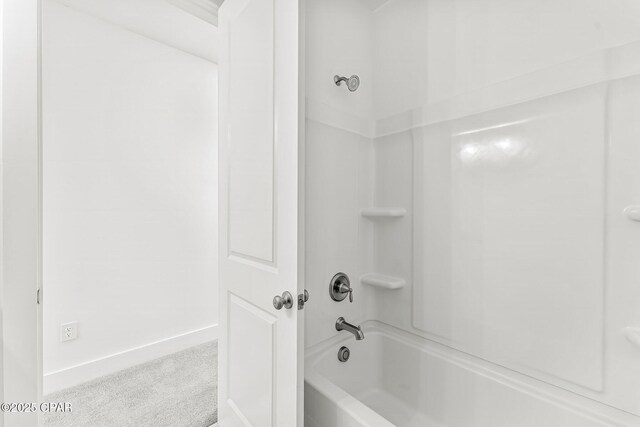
x,y
349,290
340,287
345,289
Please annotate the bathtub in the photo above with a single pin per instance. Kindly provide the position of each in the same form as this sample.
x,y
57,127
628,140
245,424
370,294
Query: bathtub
x,y
394,378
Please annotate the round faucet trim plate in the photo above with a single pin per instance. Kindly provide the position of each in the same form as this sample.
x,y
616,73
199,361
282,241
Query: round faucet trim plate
x,y
340,287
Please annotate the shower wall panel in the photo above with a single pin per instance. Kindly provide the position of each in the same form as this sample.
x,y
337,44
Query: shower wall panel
x,y
339,160
507,131
515,247
504,129
509,233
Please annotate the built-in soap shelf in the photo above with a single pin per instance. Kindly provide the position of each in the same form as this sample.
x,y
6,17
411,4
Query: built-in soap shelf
x,y
382,281
383,212
633,335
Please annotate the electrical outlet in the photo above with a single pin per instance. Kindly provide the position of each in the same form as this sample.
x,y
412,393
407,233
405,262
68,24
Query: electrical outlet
x,y
68,331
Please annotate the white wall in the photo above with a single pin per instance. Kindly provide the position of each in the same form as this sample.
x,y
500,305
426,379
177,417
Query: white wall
x,y
130,189
340,41
429,51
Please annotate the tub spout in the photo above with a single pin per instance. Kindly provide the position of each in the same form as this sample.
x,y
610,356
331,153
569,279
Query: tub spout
x,y
343,325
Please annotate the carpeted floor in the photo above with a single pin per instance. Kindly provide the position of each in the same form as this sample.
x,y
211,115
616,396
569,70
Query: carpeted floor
x,y
178,390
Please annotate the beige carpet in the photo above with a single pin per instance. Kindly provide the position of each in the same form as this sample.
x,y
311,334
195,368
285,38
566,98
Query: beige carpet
x,y
178,390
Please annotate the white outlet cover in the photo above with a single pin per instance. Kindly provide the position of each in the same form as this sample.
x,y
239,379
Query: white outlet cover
x,y
68,331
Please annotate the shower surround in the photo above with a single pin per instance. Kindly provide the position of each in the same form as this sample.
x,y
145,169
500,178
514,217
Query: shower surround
x,y
473,189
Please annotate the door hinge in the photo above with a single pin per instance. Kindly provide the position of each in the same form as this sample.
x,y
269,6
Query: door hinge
x,y
38,296
302,298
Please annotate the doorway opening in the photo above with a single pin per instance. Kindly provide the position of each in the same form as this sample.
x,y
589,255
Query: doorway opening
x,y
129,164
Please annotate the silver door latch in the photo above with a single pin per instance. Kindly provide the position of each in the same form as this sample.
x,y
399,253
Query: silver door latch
x,y
302,298
286,301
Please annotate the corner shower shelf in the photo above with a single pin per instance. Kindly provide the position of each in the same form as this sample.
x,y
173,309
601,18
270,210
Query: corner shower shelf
x,y
380,281
633,335
384,212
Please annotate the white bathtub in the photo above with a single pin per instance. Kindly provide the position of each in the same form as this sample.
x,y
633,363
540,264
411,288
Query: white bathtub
x,y
398,379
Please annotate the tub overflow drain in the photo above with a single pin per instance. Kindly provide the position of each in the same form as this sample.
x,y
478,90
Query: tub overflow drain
x,y
343,354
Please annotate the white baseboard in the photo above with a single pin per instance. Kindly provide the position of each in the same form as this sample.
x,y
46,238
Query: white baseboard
x,y
74,375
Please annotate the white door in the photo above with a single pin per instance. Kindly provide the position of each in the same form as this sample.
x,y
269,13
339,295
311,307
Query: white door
x,y
261,347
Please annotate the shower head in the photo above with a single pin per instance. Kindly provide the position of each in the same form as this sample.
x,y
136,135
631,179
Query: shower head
x,y
353,82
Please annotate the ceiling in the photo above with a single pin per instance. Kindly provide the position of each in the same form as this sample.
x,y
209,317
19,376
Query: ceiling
x,y
167,21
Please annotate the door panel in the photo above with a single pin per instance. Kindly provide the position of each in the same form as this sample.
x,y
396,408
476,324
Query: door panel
x,y
261,348
251,121
251,358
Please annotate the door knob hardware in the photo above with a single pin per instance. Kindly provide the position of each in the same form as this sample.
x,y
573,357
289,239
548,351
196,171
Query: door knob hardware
x,y
302,298
340,287
286,300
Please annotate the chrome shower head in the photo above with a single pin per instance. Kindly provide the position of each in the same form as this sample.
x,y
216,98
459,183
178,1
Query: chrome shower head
x,y
353,82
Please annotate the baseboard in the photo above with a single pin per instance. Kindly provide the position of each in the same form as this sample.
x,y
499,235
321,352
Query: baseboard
x,y
87,371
